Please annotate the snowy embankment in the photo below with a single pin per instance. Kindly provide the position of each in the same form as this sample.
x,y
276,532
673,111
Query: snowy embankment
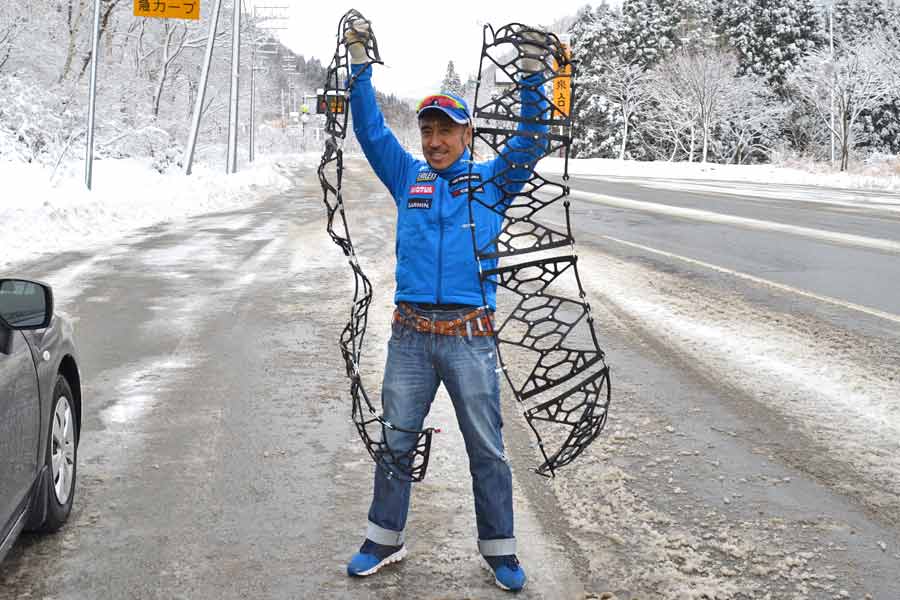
x,y
41,217
882,174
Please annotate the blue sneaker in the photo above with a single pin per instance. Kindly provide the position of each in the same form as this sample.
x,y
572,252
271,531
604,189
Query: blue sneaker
x,y
508,573
372,556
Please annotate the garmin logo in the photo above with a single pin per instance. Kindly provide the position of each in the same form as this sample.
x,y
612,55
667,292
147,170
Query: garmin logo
x,y
419,203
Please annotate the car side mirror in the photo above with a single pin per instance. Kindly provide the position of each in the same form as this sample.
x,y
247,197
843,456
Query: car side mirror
x,y
25,304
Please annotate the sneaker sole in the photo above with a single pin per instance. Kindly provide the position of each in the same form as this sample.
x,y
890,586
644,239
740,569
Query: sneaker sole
x,y
487,567
391,558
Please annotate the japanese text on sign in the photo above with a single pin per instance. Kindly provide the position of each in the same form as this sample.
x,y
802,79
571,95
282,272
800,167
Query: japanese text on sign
x,y
562,86
168,9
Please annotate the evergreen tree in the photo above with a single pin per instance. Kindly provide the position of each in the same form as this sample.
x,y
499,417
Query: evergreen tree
x,y
856,19
770,37
596,36
650,30
452,82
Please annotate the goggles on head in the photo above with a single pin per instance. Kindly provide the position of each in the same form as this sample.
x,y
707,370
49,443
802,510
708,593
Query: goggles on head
x,y
441,100
450,105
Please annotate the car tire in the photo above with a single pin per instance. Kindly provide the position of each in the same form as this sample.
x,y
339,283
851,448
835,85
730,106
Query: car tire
x,y
61,459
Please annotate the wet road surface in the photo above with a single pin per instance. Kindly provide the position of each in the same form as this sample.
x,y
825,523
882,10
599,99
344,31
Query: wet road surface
x,y
218,459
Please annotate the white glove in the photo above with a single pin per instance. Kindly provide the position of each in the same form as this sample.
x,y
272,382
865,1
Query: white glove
x,y
356,38
533,63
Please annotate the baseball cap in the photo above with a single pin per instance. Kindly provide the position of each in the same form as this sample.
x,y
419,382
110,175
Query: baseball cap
x,y
450,104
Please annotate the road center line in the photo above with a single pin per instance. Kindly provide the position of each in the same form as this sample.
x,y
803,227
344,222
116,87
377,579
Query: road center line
x,y
779,286
846,239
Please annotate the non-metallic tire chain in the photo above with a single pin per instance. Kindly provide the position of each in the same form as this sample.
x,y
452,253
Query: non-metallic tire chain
x,y
566,393
405,463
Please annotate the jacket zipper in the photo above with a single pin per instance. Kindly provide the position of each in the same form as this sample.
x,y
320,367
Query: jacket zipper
x,y
440,195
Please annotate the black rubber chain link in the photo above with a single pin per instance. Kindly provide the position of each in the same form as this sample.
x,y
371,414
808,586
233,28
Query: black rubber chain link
x,y
568,386
408,463
566,392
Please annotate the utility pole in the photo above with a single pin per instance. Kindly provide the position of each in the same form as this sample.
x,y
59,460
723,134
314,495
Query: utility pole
x,y
231,167
834,75
268,19
92,102
204,81
251,153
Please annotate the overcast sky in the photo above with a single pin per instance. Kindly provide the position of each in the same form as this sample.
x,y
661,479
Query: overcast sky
x,y
416,39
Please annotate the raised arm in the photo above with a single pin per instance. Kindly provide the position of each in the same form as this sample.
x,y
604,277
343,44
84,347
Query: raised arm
x,y
516,161
514,165
385,153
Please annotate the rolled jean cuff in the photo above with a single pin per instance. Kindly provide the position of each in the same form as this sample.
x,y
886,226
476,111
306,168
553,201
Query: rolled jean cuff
x,y
383,536
497,547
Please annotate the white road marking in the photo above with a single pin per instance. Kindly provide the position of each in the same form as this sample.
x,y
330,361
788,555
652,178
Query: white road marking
x,y
779,286
847,239
861,199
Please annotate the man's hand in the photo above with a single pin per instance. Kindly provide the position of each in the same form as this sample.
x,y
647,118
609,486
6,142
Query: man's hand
x,y
533,61
356,38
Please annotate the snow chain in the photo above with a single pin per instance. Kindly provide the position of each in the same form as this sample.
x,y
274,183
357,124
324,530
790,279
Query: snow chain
x,y
566,391
407,464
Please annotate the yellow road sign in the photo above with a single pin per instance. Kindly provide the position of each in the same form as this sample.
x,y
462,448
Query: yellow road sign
x,y
562,85
168,9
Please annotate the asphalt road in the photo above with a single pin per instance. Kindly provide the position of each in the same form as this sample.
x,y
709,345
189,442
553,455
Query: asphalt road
x,y
217,456
857,270
218,460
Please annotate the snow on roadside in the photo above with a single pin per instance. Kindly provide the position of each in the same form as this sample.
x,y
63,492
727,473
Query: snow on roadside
x,y
40,217
883,175
849,400
640,531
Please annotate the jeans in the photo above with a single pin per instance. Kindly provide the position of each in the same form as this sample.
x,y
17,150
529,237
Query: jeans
x,y
416,364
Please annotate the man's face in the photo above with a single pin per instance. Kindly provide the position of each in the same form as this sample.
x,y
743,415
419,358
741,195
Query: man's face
x,y
443,139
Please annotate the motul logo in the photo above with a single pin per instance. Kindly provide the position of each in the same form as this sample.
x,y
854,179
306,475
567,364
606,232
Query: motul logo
x,y
421,190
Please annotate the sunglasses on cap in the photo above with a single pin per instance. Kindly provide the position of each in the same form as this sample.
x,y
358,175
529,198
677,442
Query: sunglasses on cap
x,y
441,100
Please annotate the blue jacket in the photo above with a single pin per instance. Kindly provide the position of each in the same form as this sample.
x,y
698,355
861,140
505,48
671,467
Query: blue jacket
x,y
435,258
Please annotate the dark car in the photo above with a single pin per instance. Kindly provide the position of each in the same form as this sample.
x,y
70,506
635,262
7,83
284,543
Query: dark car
x,y
40,412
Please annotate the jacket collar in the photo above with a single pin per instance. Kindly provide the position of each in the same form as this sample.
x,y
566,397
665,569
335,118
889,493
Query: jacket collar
x,y
457,168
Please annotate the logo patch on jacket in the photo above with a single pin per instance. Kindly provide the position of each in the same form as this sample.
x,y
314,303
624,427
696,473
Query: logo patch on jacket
x,y
420,195
426,176
419,202
421,190
465,178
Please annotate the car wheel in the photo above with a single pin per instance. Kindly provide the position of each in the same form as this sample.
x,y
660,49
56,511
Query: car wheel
x,y
62,452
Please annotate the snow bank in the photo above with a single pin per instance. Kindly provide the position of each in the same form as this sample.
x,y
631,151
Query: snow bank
x,y
40,217
881,173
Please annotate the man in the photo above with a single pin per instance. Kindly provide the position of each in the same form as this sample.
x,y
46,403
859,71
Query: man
x,y
442,331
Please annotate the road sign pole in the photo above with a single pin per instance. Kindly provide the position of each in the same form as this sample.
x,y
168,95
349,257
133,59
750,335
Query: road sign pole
x,y
235,88
92,102
201,94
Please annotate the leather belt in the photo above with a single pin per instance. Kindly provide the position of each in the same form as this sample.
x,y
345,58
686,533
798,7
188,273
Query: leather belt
x,y
475,323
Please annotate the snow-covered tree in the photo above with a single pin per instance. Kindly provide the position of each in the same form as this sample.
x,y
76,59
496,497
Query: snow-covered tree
x,y
625,85
596,37
750,121
857,78
650,30
770,37
857,19
703,78
11,25
669,125
452,82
